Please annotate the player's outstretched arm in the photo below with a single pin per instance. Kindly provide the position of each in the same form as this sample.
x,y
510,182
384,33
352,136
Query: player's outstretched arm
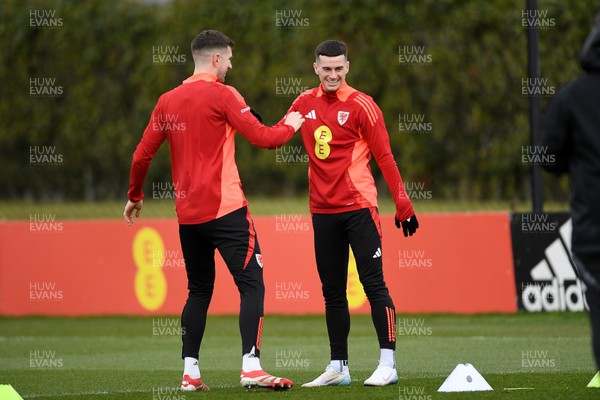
x,y
295,120
239,115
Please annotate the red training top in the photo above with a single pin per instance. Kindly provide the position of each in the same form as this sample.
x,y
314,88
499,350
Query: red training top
x,y
340,132
199,119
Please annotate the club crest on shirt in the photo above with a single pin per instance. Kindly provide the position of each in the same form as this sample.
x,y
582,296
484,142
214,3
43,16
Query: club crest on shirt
x,y
343,117
259,260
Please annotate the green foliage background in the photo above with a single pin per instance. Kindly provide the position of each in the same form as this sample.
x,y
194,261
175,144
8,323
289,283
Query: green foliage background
x,y
102,56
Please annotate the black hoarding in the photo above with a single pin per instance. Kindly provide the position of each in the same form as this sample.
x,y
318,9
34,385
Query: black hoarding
x,y
545,275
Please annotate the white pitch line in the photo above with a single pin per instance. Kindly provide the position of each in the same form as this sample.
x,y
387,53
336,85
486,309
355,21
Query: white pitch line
x,y
102,393
52,337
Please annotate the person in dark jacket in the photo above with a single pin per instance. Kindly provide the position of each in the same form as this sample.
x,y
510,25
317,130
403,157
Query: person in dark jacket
x,y
571,132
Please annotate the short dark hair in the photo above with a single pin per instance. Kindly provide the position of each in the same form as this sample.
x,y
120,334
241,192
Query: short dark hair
x,y
331,48
211,40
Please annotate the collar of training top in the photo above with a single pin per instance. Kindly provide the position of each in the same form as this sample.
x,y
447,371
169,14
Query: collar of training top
x,y
202,76
342,93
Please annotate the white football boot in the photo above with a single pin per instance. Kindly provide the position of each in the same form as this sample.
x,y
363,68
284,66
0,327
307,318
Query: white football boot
x,y
331,377
383,375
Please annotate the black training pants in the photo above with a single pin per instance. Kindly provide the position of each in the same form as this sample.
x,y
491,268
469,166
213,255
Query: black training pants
x,y
334,233
234,236
589,272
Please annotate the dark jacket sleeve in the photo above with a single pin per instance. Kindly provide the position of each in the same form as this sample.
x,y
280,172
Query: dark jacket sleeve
x,y
556,133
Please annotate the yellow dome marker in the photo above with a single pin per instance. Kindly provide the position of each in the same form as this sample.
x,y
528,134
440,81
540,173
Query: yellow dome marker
x,y
7,392
595,382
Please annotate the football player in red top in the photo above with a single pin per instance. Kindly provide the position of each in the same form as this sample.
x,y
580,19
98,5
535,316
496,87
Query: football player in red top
x,y
343,128
199,119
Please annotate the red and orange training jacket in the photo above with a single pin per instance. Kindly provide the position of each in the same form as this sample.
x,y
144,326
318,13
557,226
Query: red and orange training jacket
x,y
340,132
199,119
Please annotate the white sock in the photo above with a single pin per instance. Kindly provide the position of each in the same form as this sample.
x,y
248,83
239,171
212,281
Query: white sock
x,y
190,367
250,362
387,358
339,365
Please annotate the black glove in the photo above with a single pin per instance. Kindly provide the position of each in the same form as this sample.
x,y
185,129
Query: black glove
x,y
409,226
256,115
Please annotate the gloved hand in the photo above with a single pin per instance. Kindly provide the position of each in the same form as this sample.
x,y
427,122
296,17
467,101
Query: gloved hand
x,y
256,115
409,225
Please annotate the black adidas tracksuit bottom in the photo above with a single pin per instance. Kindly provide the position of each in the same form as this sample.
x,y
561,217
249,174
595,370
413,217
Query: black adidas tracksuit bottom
x,y
234,236
589,272
334,233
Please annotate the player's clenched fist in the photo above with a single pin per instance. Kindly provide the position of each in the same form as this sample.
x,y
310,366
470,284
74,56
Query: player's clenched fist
x,y
295,120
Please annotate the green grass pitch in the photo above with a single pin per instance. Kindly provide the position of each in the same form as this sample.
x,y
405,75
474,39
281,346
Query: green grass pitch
x,y
523,356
